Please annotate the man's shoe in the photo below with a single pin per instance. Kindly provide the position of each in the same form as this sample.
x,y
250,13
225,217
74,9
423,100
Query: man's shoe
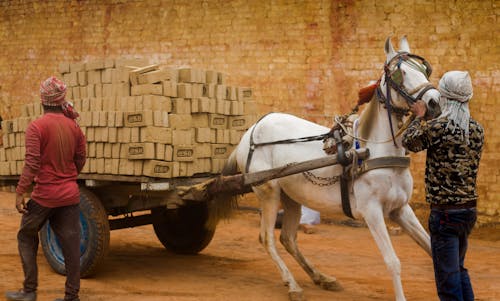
x,y
20,296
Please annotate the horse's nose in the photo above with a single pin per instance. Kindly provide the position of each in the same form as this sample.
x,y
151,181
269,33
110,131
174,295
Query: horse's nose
x,y
433,108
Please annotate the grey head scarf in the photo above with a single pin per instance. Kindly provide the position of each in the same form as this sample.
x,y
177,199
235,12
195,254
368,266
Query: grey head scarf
x,y
456,91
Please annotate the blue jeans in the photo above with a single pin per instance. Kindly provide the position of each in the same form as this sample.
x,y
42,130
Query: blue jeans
x,y
449,231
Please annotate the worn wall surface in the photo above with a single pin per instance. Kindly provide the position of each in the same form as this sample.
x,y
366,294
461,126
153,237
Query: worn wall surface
x,y
307,58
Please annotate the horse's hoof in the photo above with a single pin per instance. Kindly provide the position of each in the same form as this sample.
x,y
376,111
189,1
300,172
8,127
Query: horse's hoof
x,y
331,285
296,296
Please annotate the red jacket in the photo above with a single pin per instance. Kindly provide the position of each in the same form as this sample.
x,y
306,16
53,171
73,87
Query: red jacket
x,y
55,154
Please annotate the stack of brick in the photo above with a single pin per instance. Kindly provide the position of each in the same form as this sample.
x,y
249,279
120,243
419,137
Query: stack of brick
x,y
144,120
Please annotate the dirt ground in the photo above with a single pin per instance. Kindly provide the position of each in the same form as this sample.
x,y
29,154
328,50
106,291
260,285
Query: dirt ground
x,y
235,267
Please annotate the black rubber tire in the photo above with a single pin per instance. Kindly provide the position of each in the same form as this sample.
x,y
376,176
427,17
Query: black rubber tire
x,y
94,241
183,230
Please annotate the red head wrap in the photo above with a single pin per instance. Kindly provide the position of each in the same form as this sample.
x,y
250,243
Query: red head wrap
x,y
52,92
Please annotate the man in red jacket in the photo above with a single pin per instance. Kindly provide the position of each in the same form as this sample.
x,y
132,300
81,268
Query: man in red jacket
x,y
55,154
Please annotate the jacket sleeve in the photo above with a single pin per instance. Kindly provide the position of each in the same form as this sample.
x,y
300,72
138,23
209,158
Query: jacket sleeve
x,y
81,152
32,159
416,137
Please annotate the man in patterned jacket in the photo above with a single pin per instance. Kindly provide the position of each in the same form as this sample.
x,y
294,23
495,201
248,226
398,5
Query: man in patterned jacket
x,y
454,142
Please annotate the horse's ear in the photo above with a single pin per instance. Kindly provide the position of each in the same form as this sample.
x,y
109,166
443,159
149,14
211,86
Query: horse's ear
x,y
389,50
404,45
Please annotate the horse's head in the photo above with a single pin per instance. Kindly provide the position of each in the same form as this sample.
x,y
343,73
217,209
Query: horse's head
x,y
406,80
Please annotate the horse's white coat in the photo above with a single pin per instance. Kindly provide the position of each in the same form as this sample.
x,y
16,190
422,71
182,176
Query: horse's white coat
x,y
374,195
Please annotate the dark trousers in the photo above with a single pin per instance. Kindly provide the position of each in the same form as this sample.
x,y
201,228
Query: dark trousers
x,y
65,222
449,231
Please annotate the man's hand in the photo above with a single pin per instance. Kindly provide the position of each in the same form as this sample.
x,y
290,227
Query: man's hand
x,y
419,109
21,204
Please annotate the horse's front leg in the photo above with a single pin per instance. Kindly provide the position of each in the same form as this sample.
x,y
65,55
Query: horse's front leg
x,y
269,196
405,217
374,218
288,238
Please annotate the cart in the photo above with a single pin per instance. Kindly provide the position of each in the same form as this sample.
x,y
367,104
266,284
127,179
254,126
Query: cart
x,y
178,208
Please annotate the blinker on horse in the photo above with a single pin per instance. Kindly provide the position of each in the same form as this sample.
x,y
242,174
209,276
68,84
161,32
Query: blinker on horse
x,y
373,195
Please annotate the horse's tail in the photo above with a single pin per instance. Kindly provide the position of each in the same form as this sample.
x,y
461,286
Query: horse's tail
x,y
223,204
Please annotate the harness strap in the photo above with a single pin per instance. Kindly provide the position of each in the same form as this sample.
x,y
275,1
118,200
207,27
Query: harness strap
x,y
254,145
344,193
384,162
367,165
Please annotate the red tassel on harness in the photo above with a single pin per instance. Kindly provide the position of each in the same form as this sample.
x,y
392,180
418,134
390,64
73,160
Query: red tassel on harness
x,y
366,94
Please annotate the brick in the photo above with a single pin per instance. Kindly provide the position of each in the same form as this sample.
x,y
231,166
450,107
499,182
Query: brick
x,y
99,150
220,151
84,92
196,90
184,153
203,150
107,152
94,77
222,136
120,119
180,121
108,166
189,75
220,92
157,169
217,121
184,90
75,67
156,134
156,76
63,67
82,78
209,90
106,76
76,92
140,150
112,135
154,89
161,119
157,103
139,118
231,93
242,122
94,64
182,137
244,94
71,79
134,74
138,166
159,151
181,106
134,134
203,134
211,77
124,134
169,88
126,167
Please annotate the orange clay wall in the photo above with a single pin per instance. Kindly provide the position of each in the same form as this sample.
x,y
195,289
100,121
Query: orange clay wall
x,y
307,58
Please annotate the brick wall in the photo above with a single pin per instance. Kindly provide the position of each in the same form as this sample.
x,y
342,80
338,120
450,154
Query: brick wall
x,y
307,58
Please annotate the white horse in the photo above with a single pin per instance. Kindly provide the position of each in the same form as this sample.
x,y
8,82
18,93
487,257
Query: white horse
x,y
374,195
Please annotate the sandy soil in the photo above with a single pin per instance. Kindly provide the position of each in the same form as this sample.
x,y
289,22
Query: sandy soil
x,y
235,267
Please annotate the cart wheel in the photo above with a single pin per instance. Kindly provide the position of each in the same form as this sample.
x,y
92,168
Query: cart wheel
x,y
182,230
94,237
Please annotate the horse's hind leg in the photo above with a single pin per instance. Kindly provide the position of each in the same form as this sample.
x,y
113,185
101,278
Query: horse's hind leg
x,y
269,196
374,218
405,217
288,238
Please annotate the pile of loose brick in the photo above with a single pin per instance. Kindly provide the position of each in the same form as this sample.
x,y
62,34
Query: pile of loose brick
x,y
144,120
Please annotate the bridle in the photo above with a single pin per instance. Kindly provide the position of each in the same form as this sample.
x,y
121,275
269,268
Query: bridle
x,y
393,77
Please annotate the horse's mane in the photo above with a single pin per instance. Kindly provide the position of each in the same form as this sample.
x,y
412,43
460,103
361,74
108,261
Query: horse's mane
x,y
366,119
